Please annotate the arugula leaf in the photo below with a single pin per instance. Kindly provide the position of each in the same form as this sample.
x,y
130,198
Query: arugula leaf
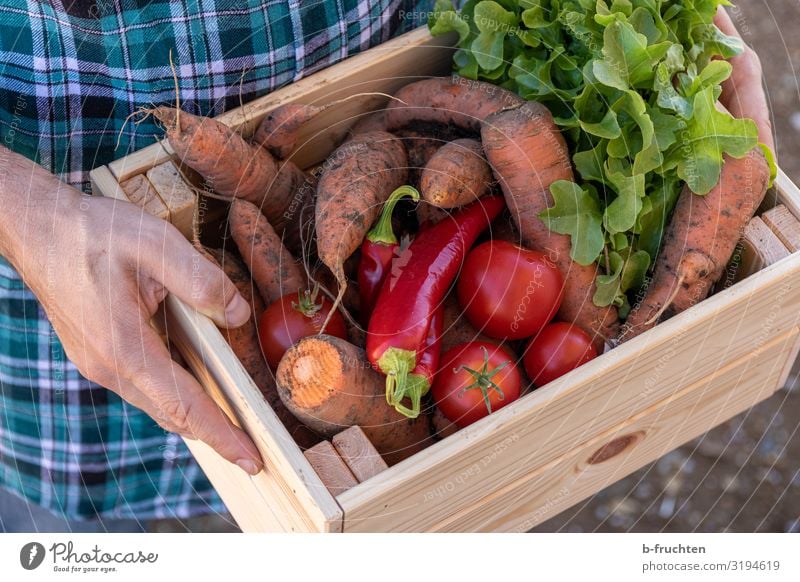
x,y
621,214
628,61
445,19
608,287
577,213
773,166
709,134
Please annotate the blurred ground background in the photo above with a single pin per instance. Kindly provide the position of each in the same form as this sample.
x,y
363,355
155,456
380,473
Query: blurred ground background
x,y
743,476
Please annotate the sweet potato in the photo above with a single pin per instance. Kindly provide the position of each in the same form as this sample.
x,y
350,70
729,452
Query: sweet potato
x,y
244,343
527,154
455,174
356,180
329,385
700,239
274,270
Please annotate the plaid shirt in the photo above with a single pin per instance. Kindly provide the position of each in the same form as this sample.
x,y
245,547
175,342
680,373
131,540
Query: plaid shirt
x,y
70,73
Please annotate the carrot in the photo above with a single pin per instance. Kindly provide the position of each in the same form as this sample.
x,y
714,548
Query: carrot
x,y
329,385
699,241
244,343
448,101
298,216
527,154
278,130
232,166
455,175
356,180
274,270
420,147
374,121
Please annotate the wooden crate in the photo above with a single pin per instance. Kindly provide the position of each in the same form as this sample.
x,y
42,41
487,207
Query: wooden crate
x,y
545,452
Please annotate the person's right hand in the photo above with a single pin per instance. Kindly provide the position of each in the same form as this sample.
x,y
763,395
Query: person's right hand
x,y
100,268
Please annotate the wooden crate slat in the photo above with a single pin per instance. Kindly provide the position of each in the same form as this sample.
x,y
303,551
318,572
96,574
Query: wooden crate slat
x,y
140,191
761,247
331,468
141,161
105,184
358,453
785,226
254,502
176,196
222,375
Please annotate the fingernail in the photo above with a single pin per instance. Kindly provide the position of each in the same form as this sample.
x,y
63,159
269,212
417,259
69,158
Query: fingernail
x,y
238,311
248,466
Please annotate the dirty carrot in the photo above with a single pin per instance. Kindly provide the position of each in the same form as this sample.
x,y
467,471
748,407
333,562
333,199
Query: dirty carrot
x,y
329,385
455,175
357,178
232,166
274,270
699,241
421,276
278,130
448,101
378,250
528,154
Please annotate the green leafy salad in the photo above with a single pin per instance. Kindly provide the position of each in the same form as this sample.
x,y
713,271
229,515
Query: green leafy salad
x,y
633,84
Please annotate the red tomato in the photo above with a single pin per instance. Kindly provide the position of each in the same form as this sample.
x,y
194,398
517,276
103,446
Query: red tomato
x,y
557,349
475,379
509,292
293,317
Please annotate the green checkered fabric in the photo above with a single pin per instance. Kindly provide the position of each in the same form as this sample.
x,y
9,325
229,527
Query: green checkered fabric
x,y
70,74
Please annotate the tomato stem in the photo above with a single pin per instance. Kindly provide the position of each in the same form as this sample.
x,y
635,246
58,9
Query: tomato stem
x,y
482,379
307,302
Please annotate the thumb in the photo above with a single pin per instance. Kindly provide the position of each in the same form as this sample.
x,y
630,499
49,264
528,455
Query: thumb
x,y
197,281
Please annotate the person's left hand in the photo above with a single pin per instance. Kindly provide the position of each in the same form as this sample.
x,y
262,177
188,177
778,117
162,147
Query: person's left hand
x,y
743,93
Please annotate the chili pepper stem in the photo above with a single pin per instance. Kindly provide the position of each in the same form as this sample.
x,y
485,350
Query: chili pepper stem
x,y
400,383
382,231
416,388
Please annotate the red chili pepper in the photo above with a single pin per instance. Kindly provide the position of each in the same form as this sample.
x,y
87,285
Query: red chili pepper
x,y
428,361
377,252
421,276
